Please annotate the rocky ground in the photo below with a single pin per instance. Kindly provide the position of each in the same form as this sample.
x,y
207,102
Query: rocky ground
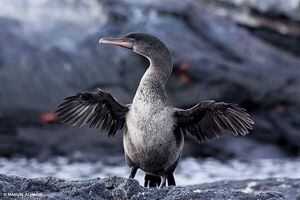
x,y
122,188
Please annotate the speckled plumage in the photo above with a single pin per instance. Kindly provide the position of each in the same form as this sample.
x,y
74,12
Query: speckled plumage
x,y
149,140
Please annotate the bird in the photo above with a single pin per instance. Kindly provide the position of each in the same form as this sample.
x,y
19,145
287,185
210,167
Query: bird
x,y
154,130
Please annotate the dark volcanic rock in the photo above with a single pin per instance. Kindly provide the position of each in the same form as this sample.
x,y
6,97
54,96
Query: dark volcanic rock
x,y
290,8
122,188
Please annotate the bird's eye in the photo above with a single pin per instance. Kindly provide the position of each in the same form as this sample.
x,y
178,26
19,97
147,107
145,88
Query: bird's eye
x,y
136,37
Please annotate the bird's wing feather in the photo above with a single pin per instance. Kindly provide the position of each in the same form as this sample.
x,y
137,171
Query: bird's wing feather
x,y
209,119
95,109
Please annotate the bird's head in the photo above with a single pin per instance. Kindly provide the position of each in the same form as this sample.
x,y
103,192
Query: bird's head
x,y
141,43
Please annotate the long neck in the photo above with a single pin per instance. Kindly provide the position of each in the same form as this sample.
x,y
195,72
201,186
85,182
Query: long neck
x,y
153,82
161,66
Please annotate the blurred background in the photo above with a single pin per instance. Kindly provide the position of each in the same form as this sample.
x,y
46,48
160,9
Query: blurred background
x,y
241,51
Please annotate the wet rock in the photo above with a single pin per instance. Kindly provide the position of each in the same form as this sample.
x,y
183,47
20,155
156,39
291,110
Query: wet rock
x,y
290,8
48,184
122,188
283,188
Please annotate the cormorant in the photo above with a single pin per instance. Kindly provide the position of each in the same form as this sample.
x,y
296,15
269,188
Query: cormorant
x,y
154,130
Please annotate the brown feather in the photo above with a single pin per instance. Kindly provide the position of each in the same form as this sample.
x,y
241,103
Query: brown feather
x,y
93,109
209,119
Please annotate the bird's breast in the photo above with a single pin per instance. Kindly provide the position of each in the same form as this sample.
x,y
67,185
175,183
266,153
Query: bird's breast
x,y
150,135
150,119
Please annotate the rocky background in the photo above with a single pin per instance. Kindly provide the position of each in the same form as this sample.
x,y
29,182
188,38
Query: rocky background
x,y
120,188
240,51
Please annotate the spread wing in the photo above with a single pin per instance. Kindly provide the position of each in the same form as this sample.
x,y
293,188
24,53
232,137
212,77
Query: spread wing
x,y
209,119
95,109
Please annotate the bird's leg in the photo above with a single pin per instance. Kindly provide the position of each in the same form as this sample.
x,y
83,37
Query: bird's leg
x,y
133,172
147,180
171,180
152,180
163,182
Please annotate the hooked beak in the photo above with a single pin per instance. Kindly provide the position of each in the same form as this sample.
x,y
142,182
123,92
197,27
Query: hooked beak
x,y
122,42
